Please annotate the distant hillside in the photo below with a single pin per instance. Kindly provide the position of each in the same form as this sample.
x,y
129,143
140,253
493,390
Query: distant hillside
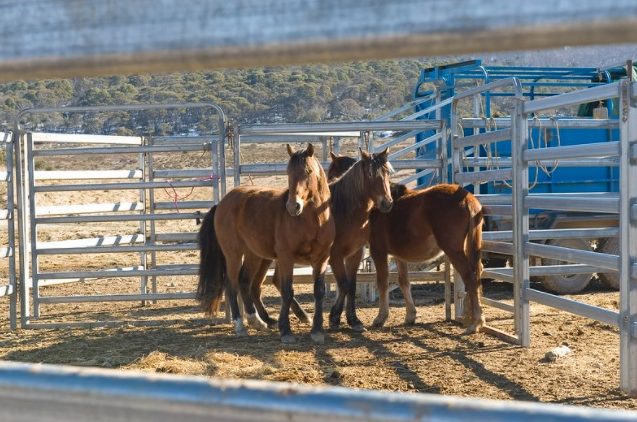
x,y
349,91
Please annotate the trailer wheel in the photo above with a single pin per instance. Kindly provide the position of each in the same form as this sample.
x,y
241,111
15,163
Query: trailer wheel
x,y
568,283
611,280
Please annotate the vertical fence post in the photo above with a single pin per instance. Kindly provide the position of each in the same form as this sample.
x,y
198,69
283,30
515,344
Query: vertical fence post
x,y
520,223
628,240
23,261
456,162
236,152
11,255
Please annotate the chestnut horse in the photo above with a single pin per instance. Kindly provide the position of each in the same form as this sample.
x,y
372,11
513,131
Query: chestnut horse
x,y
251,226
422,225
353,196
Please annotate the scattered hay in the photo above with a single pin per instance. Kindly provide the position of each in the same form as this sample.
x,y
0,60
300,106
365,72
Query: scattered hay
x,y
162,362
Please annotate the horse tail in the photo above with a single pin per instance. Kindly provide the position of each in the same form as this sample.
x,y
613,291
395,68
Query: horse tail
x,y
474,237
212,266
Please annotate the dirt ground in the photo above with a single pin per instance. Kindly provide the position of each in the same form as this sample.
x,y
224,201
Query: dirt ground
x,y
432,356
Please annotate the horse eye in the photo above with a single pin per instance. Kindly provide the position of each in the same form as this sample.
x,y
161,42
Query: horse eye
x,y
308,170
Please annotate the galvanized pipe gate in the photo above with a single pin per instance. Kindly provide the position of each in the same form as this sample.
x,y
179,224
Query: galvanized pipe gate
x,y
143,211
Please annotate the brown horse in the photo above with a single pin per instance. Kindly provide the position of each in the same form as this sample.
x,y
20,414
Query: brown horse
x,y
353,196
251,226
421,226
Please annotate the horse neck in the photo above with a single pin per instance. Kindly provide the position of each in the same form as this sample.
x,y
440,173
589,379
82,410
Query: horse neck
x,y
349,198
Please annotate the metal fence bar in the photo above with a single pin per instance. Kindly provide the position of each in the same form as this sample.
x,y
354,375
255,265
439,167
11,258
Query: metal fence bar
x,y
628,240
61,138
483,176
593,233
130,186
574,307
559,203
598,259
74,394
564,162
597,93
502,122
520,190
483,138
116,298
115,150
600,149
87,174
290,128
8,251
117,218
90,208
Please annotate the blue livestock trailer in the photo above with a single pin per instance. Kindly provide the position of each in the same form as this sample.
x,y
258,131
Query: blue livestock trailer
x,y
443,82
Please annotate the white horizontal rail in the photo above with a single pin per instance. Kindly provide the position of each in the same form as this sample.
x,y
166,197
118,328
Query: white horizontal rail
x,y
116,150
596,259
504,210
92,242
116,249
414,146
428,110
123,186
597,93
89,208
574,307
396,140
497,304
483,138
599,149
50,393
117,298
544,270
416,176
117,218
502,122
291,128
558,202
592,233
564,162
87,174
63,138
483,176
504,248
501,83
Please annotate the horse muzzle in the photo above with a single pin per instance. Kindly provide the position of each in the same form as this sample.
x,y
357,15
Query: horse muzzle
x,y
294,208
385,206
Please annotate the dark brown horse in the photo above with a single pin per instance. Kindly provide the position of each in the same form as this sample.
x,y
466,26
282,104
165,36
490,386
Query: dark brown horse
x,y
422,225
353,196
251,226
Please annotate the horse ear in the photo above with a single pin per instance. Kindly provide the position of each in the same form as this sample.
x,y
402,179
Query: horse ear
x,y
364,154
384,152
289,149
310,150
333,156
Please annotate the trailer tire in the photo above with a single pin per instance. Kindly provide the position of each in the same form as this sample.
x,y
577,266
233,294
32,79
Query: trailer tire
x,y
570,283
610,246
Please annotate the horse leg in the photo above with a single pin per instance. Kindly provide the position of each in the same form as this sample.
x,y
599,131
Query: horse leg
x,y
405,287
233,267
338,269
255,293
286,271
318,271
250,269
352,263
382,274
303,316
474,318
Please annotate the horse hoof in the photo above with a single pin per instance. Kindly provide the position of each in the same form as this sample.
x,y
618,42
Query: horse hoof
x,y
241,333
318,338
471,330
307,320
255,322
288,339
410,321
335,325
273,325
358,327
378,323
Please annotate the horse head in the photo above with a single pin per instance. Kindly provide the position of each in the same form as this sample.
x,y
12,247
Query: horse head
x,y
306,180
